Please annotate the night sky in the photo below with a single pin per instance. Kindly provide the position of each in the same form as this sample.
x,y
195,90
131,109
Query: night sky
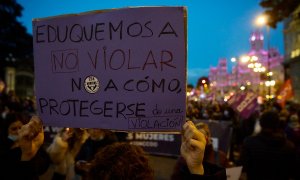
x,y
216,29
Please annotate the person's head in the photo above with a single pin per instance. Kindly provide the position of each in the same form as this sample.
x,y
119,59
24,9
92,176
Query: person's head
x,y
269,120
96,134
294,121
12,124
120,161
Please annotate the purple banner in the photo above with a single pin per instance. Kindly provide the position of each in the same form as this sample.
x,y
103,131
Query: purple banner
x,y
169,144
122,69
157,143
238,98
247,105
244,104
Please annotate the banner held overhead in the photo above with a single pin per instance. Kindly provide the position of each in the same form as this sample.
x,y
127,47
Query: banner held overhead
x,y
121,69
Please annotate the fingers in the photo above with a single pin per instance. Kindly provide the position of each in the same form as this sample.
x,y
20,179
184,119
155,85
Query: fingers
x,y
197,145
188,130
193,145
191,132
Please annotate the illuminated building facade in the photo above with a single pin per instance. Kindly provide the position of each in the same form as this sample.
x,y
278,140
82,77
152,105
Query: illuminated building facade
x,y
292,51
218,76
249,70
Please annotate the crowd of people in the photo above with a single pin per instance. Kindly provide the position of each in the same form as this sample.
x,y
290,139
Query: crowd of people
x,y
268,143
85,153
203,109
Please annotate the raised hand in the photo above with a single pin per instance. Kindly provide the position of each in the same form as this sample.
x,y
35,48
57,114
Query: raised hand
x,y
31,138
193,147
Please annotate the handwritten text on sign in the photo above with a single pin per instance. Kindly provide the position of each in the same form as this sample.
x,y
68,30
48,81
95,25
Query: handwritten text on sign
x,y
121,69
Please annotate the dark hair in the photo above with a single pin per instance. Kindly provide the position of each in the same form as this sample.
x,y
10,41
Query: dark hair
x,y
121,161
269,120
9,119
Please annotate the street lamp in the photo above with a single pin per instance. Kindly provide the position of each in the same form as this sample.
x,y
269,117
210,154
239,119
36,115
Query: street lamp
x,y
245,58
253,63
242,59
261,21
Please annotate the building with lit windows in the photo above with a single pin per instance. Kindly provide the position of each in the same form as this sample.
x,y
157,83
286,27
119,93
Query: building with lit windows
x,y
250,70
292,51
218,76
17,75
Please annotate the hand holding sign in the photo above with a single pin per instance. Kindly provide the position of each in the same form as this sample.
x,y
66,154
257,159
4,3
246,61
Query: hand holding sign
x,y
192,147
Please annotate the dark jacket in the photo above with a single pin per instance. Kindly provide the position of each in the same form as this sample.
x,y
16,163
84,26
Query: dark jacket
x,y
269,155
13,168
91,147
211,172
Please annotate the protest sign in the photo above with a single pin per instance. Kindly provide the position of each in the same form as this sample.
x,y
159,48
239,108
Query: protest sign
x,y
236,100
122,69
244,104
248,105
166,144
